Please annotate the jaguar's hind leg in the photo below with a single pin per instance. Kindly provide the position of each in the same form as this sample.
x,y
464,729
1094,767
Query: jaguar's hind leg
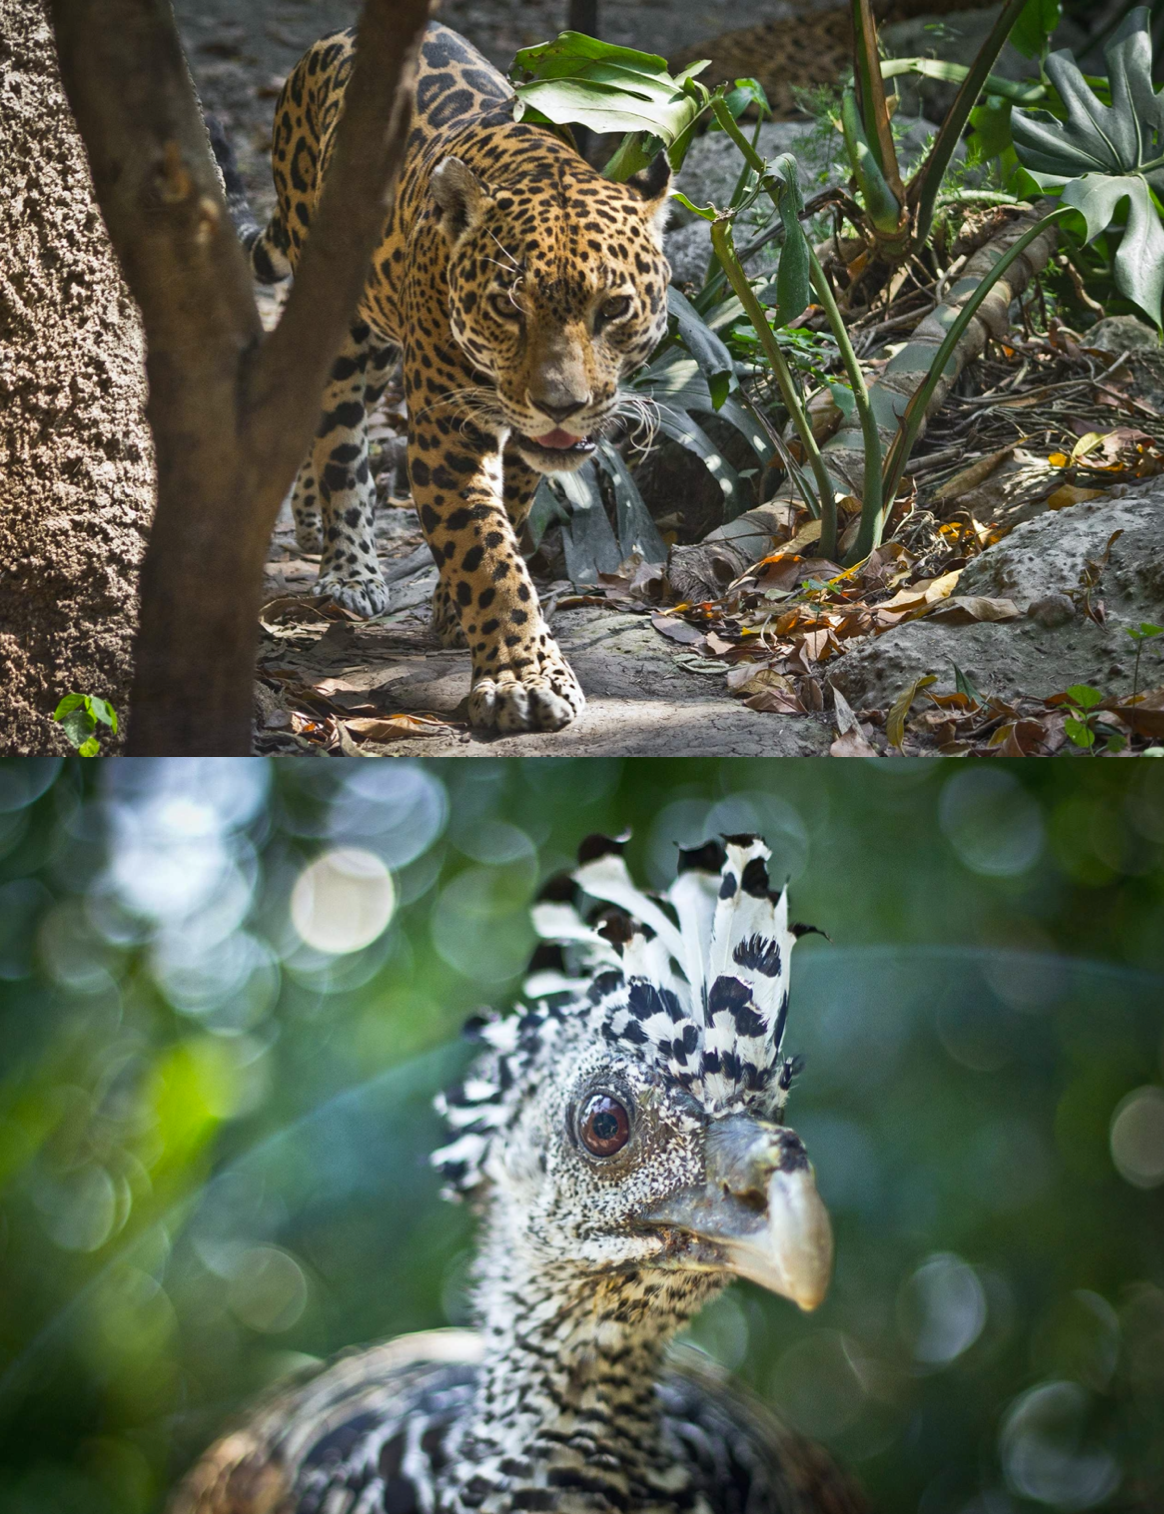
x,y
349,571
305,509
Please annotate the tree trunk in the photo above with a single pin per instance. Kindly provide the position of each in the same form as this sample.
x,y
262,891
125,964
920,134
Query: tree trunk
x,y
231,411
76,457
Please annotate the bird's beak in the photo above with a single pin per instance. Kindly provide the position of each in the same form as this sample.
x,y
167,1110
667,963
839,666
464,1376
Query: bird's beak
x,y
757,1214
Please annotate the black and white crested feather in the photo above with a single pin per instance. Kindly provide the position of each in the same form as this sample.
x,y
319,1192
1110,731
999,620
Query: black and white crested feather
x,y
693,982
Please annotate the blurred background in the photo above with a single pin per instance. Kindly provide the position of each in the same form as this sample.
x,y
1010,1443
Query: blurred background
x,y
228,991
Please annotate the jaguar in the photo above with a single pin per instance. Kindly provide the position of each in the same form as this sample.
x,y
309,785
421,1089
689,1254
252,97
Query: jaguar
x,y
517,287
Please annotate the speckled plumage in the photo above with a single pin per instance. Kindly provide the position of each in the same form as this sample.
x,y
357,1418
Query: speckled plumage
x,y
567,1400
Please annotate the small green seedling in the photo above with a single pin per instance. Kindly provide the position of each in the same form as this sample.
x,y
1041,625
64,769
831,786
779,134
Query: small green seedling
x,y
1145,631
79,715
1083,725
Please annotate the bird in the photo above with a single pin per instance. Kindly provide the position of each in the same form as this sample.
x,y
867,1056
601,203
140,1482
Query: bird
x,y
621,1138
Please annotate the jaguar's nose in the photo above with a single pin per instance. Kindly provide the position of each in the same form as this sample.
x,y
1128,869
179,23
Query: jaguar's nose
x,y
559,413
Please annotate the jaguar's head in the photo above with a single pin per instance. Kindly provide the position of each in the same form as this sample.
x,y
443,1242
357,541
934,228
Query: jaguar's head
x,y
557,291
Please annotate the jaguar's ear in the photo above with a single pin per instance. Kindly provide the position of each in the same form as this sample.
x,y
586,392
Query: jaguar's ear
x,y
460,196
653,184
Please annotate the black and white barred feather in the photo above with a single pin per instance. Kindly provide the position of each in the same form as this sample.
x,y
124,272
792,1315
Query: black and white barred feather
x,y
694,981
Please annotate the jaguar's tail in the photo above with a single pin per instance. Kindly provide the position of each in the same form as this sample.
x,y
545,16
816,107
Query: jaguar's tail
x,y
264,246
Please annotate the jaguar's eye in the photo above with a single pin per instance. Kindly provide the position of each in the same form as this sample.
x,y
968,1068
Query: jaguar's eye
x,y
503,306
603,1125
616,306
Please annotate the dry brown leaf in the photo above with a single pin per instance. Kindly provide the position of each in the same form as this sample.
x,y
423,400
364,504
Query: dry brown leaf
x,y
1145,714
761,680
1067,495
900,708
1017,738
843,711
970,478
676,630
927,591
964,609
396,727
852,744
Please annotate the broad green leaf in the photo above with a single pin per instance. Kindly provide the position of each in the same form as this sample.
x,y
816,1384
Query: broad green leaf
x,y
681,428
103,711
1139,261
704,212
1084,696
78,726
577,45
636,530
543,512
715,361
1102,156
1034,27
991,124
607,108
587,540
90,748
68,703
1079,732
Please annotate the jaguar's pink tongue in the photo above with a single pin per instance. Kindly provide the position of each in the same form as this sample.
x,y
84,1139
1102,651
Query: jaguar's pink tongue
x,y
558,439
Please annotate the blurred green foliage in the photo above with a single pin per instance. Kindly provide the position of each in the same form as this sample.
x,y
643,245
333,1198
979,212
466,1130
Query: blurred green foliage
x,y
214,1121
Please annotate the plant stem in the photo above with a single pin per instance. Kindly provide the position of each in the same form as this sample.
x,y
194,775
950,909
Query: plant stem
x,y
915,411
872,515
721,240
922,190
871,504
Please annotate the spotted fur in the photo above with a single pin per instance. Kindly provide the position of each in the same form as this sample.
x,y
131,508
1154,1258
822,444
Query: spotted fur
x,y
520,287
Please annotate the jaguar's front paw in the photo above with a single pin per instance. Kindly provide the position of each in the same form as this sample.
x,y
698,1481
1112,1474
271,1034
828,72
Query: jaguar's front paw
x,y
365,595
541,695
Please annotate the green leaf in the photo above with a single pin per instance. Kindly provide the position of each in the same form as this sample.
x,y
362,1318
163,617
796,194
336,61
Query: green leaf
x,y
964,685
1103,156
681,428
636,529
587,540
793,285
569,47
715,361
1144,631
543,512
1084,695
101,710
704,212
1078,732
90,748
843,398
991,123
1034,27
68,703
1139,261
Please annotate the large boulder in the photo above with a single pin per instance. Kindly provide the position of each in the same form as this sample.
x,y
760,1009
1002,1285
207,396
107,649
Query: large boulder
x,y
1042,567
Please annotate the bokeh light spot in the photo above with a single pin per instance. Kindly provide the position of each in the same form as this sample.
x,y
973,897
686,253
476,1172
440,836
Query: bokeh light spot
x,y
991,821
342,901
941,1310
1042,1451
267,1290
1137,1137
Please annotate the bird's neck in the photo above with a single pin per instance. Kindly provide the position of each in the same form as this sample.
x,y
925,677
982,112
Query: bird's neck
x,y
566,1416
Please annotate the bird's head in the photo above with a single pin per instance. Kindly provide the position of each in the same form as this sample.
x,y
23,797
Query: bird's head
x,y
630,1124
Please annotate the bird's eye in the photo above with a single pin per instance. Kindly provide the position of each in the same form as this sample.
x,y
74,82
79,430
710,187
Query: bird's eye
x,y
603,1125
616,306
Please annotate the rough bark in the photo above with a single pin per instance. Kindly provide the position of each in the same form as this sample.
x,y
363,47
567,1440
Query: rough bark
x,y
76,458
231,411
